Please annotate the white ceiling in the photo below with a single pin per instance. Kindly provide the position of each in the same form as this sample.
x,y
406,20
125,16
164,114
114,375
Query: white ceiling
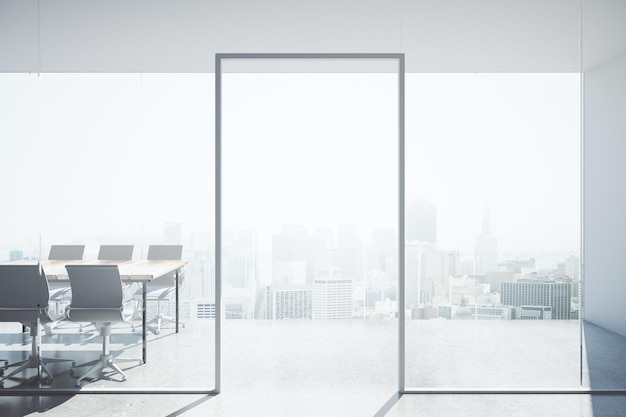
x,y
184,35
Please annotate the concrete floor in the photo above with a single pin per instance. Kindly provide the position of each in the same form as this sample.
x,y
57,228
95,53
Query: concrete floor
x,y
334,369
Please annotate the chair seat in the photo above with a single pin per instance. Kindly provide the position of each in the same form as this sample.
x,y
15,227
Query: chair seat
x,y
27,316
97,315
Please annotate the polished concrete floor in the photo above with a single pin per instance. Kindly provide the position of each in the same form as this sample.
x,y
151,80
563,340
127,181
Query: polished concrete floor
x,y
334,369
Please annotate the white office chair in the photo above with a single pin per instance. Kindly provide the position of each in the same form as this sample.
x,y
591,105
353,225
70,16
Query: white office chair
x,y
115,252
24,298
60,292
66,252
163,289
97,297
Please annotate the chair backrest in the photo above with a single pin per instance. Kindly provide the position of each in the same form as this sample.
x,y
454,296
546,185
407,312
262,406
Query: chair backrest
x,y
66,252
165,252
97,293
24,293
116,252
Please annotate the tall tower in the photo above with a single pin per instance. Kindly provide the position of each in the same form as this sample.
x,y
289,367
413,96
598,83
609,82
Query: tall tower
x,y
350,253
486,246
290,246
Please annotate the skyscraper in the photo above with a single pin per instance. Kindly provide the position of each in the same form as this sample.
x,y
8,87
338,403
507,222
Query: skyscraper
x,y
350,253
419,260
291,302
557,295
486,247
332,296
292,244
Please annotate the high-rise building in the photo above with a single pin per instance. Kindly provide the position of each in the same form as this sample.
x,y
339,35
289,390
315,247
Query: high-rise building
x,y
291,302
496,276
425,269
383,251
291,244
240,275
332,296
557,295
199,277
486,247
572,267
16,255
350,253
412,273
240,260
289,273
421,221
294,244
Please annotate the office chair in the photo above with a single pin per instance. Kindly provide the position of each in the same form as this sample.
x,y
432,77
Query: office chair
x,y
115,253
60,292
97,297
119,253
25,298
163,289
66,252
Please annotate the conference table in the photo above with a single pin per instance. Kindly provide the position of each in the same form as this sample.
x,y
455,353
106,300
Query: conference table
x,y
142,272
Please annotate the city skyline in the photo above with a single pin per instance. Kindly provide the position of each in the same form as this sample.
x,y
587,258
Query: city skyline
x,y
316,149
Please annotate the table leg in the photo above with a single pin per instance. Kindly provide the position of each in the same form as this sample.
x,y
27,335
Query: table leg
x,y
177,300
143,320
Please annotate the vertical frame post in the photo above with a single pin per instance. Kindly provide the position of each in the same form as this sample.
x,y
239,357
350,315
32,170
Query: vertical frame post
x,y
218,222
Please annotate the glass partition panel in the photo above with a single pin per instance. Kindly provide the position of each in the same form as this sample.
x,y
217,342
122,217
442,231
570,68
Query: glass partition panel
x,y
493,231
19,165
128,159
604,62
310,215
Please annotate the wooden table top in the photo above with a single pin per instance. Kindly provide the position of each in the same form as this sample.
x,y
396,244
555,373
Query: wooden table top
x,y
143,270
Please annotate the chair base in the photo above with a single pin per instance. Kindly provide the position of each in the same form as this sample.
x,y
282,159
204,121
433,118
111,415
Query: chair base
x,y
161,319
48,328
33,362
99,366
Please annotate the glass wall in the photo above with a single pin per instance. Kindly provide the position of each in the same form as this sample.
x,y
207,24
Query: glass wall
x,y
310,218
114,159
309,211
493,231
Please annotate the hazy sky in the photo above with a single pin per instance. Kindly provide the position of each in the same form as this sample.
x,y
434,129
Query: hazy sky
x,y
90,154
322,149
